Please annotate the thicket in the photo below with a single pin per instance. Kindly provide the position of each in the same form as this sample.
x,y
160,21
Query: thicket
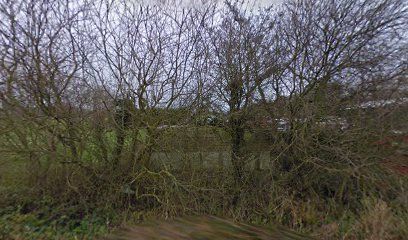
x,y
93,95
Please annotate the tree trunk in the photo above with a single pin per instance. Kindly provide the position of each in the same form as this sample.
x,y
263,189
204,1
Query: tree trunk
x,y
237,136
120,140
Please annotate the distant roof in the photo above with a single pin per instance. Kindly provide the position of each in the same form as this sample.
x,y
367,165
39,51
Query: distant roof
x,y
380,103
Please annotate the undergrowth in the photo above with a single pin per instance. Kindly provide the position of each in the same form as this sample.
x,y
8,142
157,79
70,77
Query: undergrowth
x,y
85,209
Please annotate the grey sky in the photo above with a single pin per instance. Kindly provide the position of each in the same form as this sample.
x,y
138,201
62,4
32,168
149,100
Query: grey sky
x,y
260,3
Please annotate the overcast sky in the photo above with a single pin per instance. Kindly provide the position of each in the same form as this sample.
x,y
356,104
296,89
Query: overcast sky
x,y
260,3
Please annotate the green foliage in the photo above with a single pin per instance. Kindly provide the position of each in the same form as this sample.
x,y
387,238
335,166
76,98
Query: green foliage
x,y
14,224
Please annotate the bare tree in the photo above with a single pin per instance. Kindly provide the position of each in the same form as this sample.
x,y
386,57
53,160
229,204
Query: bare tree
x,y
336,51
39,66
241,48
147,56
